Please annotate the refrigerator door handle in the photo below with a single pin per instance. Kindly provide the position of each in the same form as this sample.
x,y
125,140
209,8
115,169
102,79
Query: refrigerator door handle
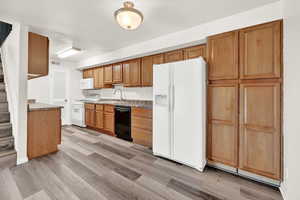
x,y
173,97
169,99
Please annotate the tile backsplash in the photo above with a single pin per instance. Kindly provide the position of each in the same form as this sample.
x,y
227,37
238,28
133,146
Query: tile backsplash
x,y
136,93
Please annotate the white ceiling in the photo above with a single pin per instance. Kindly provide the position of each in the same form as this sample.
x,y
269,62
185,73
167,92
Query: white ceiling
x,y
90,25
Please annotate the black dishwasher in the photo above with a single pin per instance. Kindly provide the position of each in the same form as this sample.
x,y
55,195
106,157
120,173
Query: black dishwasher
x,y
123,122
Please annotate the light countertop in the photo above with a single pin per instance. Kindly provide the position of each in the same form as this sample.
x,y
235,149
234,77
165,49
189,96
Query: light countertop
x,y
131,103
41,106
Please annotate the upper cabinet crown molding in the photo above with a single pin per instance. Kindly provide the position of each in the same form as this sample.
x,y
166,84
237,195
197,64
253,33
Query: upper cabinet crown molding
x,y
38,55
260,51
223,56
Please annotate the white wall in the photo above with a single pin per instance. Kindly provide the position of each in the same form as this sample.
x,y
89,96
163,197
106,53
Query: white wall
x,y
195,35
136,93
14,54
290,187
41,88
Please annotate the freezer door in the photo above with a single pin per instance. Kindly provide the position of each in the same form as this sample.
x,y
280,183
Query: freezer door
x,y
189,111
161,108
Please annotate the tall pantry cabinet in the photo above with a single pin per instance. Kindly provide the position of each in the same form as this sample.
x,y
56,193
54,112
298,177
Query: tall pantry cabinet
x,y
244,99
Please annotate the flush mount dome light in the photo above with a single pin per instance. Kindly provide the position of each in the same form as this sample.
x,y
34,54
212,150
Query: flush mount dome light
x,y
128,17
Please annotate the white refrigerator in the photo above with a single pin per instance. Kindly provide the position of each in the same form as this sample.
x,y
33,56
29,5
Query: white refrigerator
x,y
179,112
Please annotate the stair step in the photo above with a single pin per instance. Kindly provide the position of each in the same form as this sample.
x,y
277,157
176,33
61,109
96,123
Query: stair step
x,y
2,87
6,144
3,96
3,107
5,130
6,153
4,117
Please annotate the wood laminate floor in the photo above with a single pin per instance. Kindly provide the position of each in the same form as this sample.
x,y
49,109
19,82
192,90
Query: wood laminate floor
x,y
90,166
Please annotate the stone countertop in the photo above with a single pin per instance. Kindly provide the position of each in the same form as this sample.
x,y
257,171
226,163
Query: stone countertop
x,y
41,106
132,103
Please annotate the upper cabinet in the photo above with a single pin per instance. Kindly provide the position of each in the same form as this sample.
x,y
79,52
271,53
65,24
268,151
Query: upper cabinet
x,y
174,56
132,73
250,53
88,73
260,51
38,55
108,74
98,77
195,52
147,68
117,73
223,56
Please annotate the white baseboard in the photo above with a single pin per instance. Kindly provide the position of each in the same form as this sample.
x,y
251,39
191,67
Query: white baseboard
x,y
283,191
22,160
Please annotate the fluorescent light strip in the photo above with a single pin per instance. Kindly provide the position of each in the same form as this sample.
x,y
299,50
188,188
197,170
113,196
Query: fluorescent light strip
x,y
68,52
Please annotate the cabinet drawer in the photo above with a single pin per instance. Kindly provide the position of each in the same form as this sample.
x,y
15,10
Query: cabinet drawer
x,y
142,137
89,106
142,123
109,108
99,107
141,112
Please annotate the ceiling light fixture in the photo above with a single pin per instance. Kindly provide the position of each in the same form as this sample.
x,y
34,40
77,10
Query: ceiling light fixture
x,y
128,17
68,52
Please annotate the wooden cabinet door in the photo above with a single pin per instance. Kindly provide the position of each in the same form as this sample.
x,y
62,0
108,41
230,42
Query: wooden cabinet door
x,y
135,72
126,73
223,56
90,117
85,73
117,73
222,140
174,56
260,51
96,75
195,52
108,74
147,68
38,54
260,135
101,77
147,71
109,122
158,59
99,119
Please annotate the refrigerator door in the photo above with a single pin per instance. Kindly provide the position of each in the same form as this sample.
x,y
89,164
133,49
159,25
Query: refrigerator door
x,y
161,108
189,113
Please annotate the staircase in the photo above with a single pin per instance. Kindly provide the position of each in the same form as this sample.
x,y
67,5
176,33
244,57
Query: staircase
x,y
7,150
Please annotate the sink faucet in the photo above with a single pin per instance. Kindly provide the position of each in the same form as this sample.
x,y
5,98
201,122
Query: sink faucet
x,y
121,93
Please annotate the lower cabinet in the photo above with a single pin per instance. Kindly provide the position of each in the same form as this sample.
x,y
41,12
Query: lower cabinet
x,y
109,122
260,125
43,132
89,116
100,117
222,138
141,126
247,137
